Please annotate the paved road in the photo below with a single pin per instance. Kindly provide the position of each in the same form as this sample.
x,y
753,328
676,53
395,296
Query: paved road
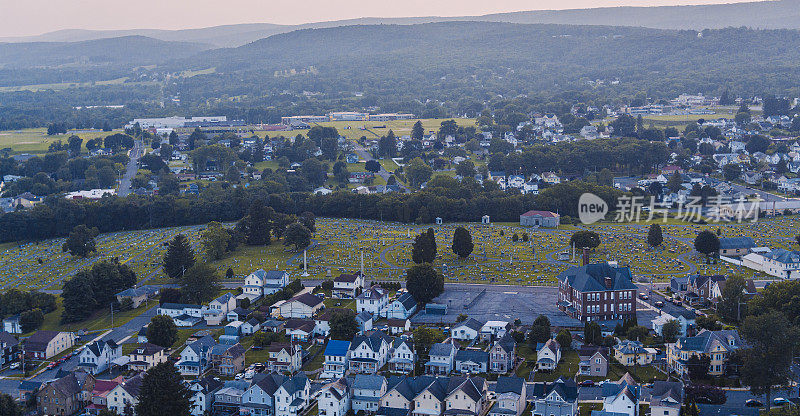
x,y
364,154
766,196
131,169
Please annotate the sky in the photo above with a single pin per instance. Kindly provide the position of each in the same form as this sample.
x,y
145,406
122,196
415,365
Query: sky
x,y
33,17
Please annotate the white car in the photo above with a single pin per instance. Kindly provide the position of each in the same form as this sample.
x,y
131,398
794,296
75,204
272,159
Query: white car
x,y
14,366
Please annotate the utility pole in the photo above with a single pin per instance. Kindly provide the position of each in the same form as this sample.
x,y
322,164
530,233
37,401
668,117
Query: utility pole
x,y
112,314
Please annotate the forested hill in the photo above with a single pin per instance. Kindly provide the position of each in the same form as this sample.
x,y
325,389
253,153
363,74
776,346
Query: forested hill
x,y
133,50
780,14
513,58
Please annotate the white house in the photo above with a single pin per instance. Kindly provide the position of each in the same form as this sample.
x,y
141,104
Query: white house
x,y
347,285
494,330
442,359
259,397
782,263
510,397
293,396
622,397
335,398
202,395
260,282
304,305
225,303
402,307
177,309
467,330
337,354
97,356
367,392
548,356
372,300
369,353
196,357
126,393
403,357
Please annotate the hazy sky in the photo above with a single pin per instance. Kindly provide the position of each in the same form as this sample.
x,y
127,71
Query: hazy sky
x,y
32,17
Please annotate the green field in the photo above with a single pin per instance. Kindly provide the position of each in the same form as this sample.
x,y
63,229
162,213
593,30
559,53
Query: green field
x,y
338,243
37,140
354,130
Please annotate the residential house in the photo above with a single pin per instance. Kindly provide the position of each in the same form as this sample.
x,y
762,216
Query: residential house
x,y
404,357
202,395
679,284
502,355
66,395
11,325
716,345
492,330
9,349
364,321
466,396
293,396
367,392
238,314
99,395
137,295
368,354
196,357
398,326
301,330
97,356
336,357
510,397
548,356
304,305
259,397
685,318
186,320
261,283
782,263
593,361
622,397
597,292
125,395
402,307
47,344
471,361
372,300
700,285
177,309
667,398
348,285
559,398
630,353
335,398
223,304
146,356
229,399
251,326
441,359
227,360
466,330
285,358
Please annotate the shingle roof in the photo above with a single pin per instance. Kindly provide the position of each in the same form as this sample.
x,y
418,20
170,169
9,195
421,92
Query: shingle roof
x,y
664,392
509,385
373,341
147,349
702,341
591,278
476,356
169,305
368,382
203,344
7,339
470,323
39,340
372,293
347,278
406,300
736,243
548,214
783,256
306,299
294,384
441,349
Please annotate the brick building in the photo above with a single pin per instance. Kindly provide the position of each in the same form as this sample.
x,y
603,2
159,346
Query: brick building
x,y
597,292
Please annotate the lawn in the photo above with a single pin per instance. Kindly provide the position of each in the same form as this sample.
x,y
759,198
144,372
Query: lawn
x,y
99,320
340,303
318,360
567,367
642,374
37,140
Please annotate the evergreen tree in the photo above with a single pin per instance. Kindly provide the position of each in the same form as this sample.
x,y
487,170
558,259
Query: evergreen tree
x,y
199,284
654,236
424,247
592,333
178,258
417,132
8,406
462,243
163,393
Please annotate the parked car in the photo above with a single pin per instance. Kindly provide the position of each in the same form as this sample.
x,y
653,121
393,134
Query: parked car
x,y
659,304
753,403
780,401
586,383
643,296
14,366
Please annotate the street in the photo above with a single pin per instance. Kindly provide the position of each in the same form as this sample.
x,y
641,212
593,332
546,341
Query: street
x,y
131,169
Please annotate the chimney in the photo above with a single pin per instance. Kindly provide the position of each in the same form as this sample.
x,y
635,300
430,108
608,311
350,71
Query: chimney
x,y
585,256
609,282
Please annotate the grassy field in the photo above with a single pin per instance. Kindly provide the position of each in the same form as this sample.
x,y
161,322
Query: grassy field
x,y
64,85
337,244
37,140
354,130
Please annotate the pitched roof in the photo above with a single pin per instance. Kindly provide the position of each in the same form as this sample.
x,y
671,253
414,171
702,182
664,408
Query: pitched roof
x,y
147,349
783,256
269,382
591,350
566,388
133,385
203,344
39,340
509,385
406,300
306,299
368,381
170,305
8,340
547,214
592,277
470,323
372,293
441,349
97,347
295,383
666,393
476,356
729,338
736,243
347,278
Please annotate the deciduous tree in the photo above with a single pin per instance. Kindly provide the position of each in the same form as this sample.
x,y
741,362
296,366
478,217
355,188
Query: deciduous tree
x,y
81,241
162,331
163,392
424,282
